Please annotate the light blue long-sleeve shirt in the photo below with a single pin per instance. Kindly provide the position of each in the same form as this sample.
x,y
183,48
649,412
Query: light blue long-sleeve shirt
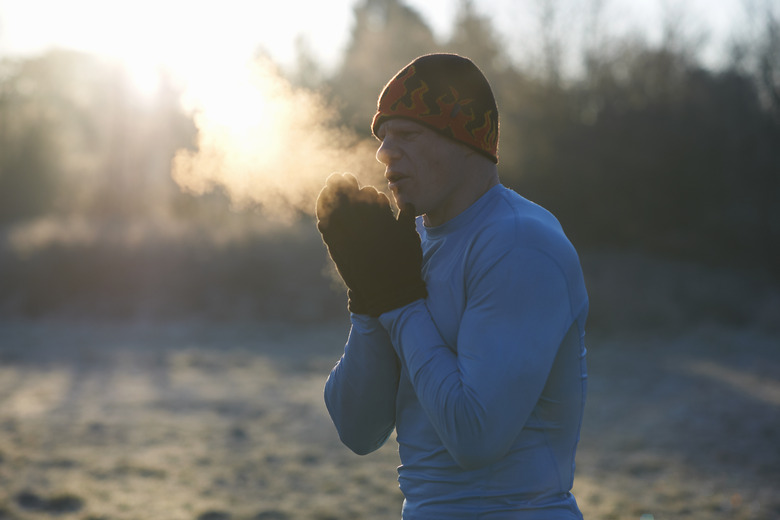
x,y
484,380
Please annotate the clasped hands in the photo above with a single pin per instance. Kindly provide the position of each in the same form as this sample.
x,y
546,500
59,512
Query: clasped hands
x,y
378,256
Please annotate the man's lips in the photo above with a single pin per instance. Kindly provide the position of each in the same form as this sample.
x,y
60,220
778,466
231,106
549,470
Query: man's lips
x,y
395,178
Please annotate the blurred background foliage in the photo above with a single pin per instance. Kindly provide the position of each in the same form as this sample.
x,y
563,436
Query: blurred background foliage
x,y
664,173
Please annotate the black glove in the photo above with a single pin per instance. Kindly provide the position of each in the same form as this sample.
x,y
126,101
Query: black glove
x,y
378,257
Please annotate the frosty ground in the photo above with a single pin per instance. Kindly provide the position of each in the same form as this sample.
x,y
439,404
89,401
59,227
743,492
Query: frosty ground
x,y
213,420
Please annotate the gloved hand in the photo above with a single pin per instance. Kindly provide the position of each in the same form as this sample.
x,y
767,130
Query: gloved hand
x,y
378,257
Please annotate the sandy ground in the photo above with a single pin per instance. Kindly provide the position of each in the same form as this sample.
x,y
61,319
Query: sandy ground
x,y
205,421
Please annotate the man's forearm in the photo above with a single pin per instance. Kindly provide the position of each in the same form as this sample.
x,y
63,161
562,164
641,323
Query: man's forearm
x,y
360,392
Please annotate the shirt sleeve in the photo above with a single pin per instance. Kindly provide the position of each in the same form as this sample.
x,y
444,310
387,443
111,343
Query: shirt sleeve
x,y
361,389
479,393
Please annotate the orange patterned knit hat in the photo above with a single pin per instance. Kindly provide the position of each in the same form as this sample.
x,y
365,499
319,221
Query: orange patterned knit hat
x,y
447,93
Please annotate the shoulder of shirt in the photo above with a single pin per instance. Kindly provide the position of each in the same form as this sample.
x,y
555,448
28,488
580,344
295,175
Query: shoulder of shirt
x,y
513,221
515,228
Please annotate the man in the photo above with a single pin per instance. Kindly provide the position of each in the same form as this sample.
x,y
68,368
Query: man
x,y
468,322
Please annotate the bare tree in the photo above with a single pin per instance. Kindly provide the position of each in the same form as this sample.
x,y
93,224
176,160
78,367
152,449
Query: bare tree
x,y
473,35
387,35
552,46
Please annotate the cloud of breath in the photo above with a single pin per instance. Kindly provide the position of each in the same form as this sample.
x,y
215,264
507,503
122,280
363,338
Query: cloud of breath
x,y
266,143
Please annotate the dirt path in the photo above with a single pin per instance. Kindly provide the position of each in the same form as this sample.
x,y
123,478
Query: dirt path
x,y
225,421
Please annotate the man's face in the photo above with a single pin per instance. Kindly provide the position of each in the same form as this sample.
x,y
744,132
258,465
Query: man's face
x,y
422,168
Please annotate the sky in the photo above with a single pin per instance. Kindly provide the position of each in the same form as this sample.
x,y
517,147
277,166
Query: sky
x,y
175,31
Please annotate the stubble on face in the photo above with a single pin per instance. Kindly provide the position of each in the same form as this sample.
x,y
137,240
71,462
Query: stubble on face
x,y
422,166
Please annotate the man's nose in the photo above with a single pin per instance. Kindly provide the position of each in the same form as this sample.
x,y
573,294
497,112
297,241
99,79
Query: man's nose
x,y
387,152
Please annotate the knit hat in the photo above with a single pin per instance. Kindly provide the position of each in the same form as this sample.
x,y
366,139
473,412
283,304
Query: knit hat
x,y
447,93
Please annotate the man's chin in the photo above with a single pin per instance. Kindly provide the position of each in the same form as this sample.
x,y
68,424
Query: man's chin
x,y
401,201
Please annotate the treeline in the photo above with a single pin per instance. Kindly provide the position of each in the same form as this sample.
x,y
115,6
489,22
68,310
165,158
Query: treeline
x,y
641,147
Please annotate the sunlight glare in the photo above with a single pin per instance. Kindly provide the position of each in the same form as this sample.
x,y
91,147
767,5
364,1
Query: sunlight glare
x,y
144,77
261,140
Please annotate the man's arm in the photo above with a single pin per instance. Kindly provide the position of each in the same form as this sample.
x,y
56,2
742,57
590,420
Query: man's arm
x,y
479,398
360,392
367,244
